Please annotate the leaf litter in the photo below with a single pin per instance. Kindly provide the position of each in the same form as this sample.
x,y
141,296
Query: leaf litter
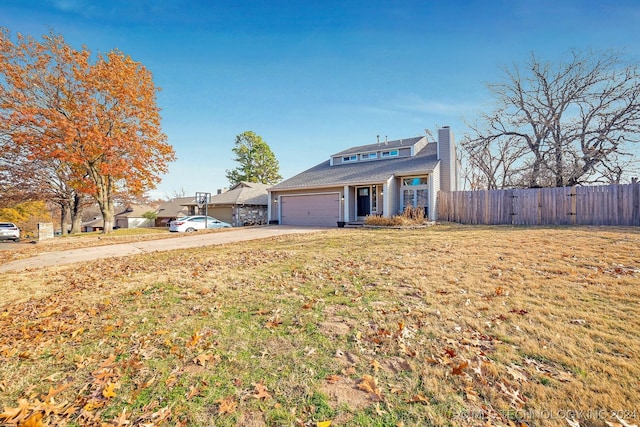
x,y
462,341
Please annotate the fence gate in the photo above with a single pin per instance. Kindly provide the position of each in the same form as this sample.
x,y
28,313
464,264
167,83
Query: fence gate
x,y
599,205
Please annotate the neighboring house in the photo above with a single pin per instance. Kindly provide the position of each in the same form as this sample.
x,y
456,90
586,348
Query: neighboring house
x,y
133,217
175,208
377,179
95,224
243,204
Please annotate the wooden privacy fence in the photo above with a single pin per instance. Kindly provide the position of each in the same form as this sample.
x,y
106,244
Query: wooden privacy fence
x,y
600,205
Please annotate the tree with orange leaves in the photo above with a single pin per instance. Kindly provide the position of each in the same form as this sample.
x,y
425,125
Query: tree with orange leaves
x,y
97,117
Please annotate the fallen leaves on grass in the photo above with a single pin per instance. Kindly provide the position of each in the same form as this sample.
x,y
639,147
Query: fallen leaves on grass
x,y
203,359
458,369
195,338
227,405
420,343
333,379
110,390
260,391
418,398
370,385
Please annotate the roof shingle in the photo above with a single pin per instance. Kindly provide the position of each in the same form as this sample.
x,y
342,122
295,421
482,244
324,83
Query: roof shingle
x,y
323,174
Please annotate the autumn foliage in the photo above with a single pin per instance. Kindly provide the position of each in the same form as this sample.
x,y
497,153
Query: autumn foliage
x,y
96,117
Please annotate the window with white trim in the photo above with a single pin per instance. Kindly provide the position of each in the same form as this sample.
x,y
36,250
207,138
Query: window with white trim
x,y
390,153
415,193
350,158
367,156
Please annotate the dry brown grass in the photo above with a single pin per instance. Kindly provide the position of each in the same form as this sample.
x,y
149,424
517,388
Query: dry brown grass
x,y
32,247
409,217
444,325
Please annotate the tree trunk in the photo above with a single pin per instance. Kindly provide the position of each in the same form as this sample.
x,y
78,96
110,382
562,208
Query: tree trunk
x,y
535,172
64,214
76,214
105,202
108,216
559,172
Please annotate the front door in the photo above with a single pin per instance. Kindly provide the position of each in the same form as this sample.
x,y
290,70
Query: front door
x,y
363,202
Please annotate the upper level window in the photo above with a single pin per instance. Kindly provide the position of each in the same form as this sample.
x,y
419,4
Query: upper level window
x,y
366,156
417,180
349,158
390,153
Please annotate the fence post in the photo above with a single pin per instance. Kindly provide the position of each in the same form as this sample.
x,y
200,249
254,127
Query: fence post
x,y
574,205
512,206
635,214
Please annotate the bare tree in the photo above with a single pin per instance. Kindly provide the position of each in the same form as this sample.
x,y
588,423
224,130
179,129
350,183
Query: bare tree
x,y
554,125
496,163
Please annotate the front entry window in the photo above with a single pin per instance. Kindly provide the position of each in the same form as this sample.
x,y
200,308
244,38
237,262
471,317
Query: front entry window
x,y
415,193
408,198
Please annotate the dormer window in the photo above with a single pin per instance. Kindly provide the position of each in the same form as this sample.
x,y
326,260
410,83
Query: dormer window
x,y
349,158
390,153
367,156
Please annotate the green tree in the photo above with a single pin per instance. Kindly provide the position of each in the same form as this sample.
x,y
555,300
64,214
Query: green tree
x,y
257,161
151,217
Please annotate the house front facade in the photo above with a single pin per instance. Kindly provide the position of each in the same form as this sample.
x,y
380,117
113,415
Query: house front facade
x,y
134,217
377,179
243,204
173,209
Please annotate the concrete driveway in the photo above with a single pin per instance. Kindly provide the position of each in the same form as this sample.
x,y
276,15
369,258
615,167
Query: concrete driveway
x,y
134,248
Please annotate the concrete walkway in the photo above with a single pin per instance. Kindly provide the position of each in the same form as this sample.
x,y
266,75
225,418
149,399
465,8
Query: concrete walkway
x,y
125,249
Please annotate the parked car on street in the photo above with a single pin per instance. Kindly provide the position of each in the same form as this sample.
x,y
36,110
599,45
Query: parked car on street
x,y
9,231
192,223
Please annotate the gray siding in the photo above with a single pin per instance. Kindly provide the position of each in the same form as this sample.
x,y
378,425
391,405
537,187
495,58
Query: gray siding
x,y
393,197
448,161
433,193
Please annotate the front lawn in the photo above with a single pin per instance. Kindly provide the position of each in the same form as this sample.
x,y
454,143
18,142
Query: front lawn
x,y
447,325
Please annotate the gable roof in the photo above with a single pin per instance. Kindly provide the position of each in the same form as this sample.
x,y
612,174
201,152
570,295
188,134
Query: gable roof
x,y
243,193
95,222
135,211
174,207
376,171
399,143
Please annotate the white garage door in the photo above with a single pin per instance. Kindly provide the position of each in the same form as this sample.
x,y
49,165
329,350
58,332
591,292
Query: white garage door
x,y
314,209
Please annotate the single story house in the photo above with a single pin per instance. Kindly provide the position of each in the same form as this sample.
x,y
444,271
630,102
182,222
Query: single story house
x,y
376,179
243,204
175,208
133,217
94,224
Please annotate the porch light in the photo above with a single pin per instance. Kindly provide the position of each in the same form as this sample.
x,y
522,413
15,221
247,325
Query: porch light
x,y
275,200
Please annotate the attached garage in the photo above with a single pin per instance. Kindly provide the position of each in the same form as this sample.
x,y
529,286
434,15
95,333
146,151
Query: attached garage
x,y
222,213
321,210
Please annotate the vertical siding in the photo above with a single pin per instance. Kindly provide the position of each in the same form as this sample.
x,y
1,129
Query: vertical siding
x,y
447,158
352,204
598,205
434,189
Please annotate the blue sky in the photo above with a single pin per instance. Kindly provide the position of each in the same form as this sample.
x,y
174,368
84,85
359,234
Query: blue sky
x,y
315,77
